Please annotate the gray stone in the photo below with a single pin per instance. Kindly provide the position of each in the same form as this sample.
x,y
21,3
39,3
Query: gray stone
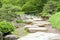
x,y
40,25
37,19
55,37
29,21
38,36
37,29
1,36
26,17
30,26
41,22
11,37
45,22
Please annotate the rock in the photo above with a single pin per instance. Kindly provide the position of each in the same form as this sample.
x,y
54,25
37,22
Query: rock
x,y
40,25
30,26
41,22
55,37
37,19
11,37
37,29
28,16
38,36
45,22
24,17
29,21
1,36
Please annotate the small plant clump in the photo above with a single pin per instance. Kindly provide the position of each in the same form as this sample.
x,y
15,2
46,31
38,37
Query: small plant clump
x,y
20,21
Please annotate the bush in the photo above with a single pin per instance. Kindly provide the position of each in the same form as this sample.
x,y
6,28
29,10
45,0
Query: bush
x,y
19,21
6,27
55,20
33,6
49,8
9,12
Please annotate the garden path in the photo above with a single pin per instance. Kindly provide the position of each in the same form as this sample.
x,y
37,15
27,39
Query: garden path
x,y
38,27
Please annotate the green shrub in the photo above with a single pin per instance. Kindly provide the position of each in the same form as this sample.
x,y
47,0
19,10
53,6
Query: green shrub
x,y
19,21
33,6
9,12
49,8
55,20
6,27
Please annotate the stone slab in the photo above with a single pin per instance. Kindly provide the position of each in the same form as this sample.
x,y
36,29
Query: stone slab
x,y
39,36
37,29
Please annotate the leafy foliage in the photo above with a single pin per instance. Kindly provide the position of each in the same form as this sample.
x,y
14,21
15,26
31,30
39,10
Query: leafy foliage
x,y
51,7
55,20
6,27
33,6
8,12
48,8
20,21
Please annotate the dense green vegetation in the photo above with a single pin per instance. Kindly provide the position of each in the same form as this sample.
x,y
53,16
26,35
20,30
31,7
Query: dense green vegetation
x,y
40,7
6,27
8,12
55,20
11,9
51,7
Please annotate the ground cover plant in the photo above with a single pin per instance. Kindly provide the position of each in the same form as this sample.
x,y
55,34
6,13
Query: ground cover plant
x,y
55,20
